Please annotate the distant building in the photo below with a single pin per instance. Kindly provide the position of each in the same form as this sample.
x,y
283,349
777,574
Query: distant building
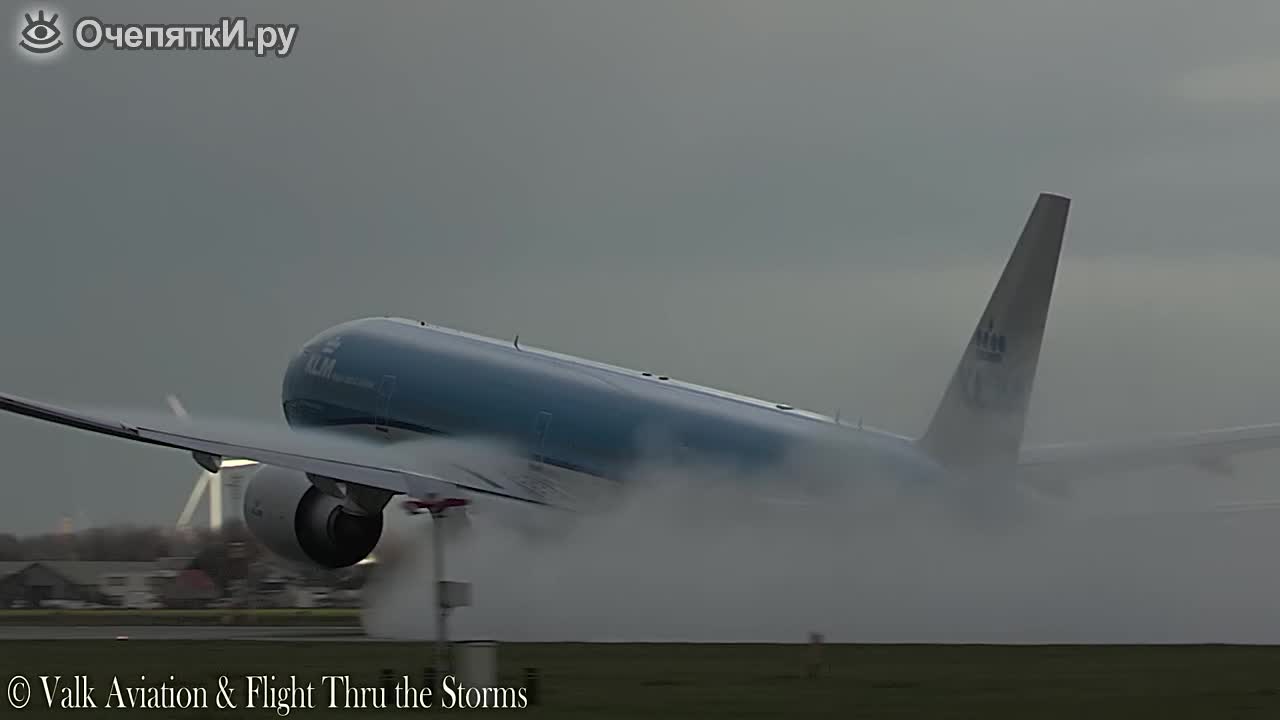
x,y
74,583
37,584
207,580
190,588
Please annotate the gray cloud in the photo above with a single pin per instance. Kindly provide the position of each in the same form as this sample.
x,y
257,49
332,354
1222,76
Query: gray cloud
x,y
1249,81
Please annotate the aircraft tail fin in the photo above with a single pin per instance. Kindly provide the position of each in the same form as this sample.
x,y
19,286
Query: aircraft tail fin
x,y
981,418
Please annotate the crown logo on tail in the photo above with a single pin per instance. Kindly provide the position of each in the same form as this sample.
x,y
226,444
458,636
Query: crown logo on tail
x,y
990,344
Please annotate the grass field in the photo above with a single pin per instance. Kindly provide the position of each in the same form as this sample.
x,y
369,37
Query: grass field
x,y
725,681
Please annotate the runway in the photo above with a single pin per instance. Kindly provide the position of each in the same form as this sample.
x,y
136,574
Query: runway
x,y
181,632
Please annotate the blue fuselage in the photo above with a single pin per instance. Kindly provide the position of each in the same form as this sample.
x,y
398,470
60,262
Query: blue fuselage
x,y
396,376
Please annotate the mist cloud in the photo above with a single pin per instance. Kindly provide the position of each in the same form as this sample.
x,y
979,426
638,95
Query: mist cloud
x,y
690,558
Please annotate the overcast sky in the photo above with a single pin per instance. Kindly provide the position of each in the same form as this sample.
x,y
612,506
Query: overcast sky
x,y
807,201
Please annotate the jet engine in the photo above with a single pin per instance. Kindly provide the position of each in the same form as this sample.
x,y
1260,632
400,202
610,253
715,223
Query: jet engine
x,y
294,519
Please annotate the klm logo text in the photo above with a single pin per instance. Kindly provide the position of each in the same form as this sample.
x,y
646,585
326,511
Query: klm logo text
x,y
321,366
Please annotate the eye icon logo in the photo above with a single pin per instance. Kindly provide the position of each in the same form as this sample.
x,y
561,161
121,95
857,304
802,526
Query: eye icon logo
x,y
41,35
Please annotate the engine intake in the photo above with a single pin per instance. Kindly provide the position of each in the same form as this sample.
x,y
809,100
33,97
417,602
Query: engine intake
x,y
293,519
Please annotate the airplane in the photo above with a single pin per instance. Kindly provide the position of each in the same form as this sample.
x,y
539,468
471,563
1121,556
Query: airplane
x,y
496,419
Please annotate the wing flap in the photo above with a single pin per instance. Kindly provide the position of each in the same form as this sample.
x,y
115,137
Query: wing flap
x,y
70,418
439,466
1207,449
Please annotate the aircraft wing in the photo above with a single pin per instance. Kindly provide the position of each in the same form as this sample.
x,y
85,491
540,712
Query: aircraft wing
x,y
1208,449
434,465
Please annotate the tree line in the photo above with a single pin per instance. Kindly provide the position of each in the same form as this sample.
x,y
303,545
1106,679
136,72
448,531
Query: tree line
x,y
121,544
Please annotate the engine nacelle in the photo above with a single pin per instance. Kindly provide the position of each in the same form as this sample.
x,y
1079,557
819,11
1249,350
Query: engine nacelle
x,y
286,513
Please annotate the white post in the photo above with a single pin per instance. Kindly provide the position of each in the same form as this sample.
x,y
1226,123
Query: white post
x,y
448,594
442,610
